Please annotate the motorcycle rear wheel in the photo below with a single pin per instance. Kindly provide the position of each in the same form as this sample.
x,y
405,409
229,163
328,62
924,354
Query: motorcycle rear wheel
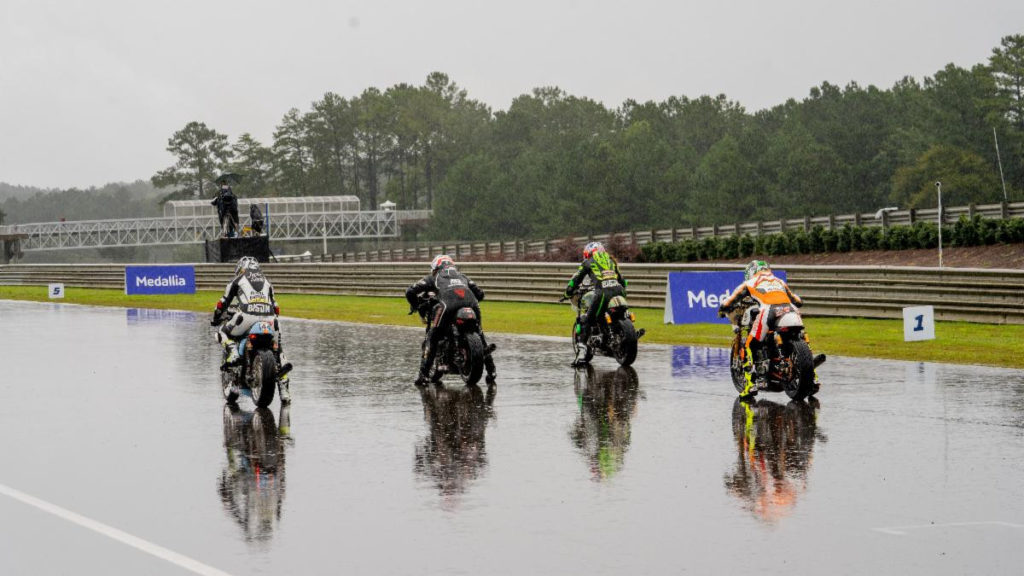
x,y
472,361
264,378
802,383
625,352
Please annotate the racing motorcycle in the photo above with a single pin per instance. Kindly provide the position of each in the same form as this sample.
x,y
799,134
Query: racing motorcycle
x,y
461,349
614,335
258,367
791,363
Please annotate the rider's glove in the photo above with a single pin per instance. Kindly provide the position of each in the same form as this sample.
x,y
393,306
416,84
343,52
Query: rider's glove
x,y
722,311
216,319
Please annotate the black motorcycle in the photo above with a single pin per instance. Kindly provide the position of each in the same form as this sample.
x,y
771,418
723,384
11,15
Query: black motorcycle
x,y
791,363
461,349
614,335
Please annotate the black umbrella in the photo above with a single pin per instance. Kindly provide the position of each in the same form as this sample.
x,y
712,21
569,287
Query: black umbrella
x,y
228,178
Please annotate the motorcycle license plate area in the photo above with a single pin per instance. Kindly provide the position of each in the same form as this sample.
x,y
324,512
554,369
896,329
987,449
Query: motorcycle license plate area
x,y
264,328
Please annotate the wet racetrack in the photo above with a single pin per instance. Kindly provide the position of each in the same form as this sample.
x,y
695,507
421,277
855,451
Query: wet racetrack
x,y
115,416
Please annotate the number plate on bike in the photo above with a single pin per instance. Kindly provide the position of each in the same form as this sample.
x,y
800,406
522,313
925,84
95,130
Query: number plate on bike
x,y
782,310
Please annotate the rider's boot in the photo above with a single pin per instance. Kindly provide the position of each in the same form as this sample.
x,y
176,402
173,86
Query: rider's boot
x,y
754,372
751,387
488,360
491,372
284,380
232,350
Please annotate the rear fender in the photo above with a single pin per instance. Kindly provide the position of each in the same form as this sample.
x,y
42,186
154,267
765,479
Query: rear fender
x,y
790,320
466,320
262,335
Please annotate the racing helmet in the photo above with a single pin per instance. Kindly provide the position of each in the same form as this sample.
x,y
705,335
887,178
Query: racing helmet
x,y
753,268
440,263
591,248
246,263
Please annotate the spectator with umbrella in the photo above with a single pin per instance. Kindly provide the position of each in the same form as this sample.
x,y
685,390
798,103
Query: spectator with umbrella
x,y
227,205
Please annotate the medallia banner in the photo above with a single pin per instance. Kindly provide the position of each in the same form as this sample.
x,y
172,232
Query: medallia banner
x,y
159,280
694,297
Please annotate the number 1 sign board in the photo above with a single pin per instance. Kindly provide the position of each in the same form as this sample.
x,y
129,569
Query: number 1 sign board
x,y
918,323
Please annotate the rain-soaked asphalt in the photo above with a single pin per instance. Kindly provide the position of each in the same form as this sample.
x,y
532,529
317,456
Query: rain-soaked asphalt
x,y
116,418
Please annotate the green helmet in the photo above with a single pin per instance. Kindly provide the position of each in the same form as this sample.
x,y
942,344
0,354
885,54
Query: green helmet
x,y
753,268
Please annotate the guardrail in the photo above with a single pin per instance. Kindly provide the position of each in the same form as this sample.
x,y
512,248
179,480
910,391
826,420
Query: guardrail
x,y
517,251
970,295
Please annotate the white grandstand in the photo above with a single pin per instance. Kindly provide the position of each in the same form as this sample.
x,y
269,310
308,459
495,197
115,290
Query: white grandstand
x,y
194,221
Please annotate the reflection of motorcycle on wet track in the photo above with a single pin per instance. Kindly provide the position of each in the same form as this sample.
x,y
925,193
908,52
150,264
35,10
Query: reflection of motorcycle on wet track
x,y
452,453
775,445
607,402
251,486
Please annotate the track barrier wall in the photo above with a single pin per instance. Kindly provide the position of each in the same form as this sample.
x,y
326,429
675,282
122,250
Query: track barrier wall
x,y
958,294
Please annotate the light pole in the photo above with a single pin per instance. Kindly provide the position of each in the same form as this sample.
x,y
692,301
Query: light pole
x,y
1000,160
938,186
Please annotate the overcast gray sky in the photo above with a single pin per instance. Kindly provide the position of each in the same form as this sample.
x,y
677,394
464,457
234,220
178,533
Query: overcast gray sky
x,y
90,91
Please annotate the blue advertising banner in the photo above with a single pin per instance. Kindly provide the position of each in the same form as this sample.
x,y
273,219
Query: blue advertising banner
x,y
159,280
693,297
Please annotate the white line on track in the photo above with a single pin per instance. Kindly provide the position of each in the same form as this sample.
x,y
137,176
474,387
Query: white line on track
x,y
113,533
902,530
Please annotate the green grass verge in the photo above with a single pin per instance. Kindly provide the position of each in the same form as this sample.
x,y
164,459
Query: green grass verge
x,y
957,342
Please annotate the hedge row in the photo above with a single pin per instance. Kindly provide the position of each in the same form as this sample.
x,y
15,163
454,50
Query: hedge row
x,y
966,232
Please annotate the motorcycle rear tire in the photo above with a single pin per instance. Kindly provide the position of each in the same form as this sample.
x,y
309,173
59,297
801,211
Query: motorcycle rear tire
x,y
472,352
264,378
802,384
625,352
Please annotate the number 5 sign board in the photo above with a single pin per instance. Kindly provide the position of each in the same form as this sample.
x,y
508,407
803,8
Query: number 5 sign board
x,y
918,323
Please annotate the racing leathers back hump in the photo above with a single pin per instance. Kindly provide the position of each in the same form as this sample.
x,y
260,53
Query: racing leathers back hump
x,y
255,296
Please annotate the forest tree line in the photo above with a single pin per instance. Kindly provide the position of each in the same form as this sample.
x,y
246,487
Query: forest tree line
x,y
555,164
20,204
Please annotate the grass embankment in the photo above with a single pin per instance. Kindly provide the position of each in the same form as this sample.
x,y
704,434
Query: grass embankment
x,y
957,342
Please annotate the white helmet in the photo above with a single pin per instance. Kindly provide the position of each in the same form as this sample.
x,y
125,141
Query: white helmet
x,y
246,263
440,263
